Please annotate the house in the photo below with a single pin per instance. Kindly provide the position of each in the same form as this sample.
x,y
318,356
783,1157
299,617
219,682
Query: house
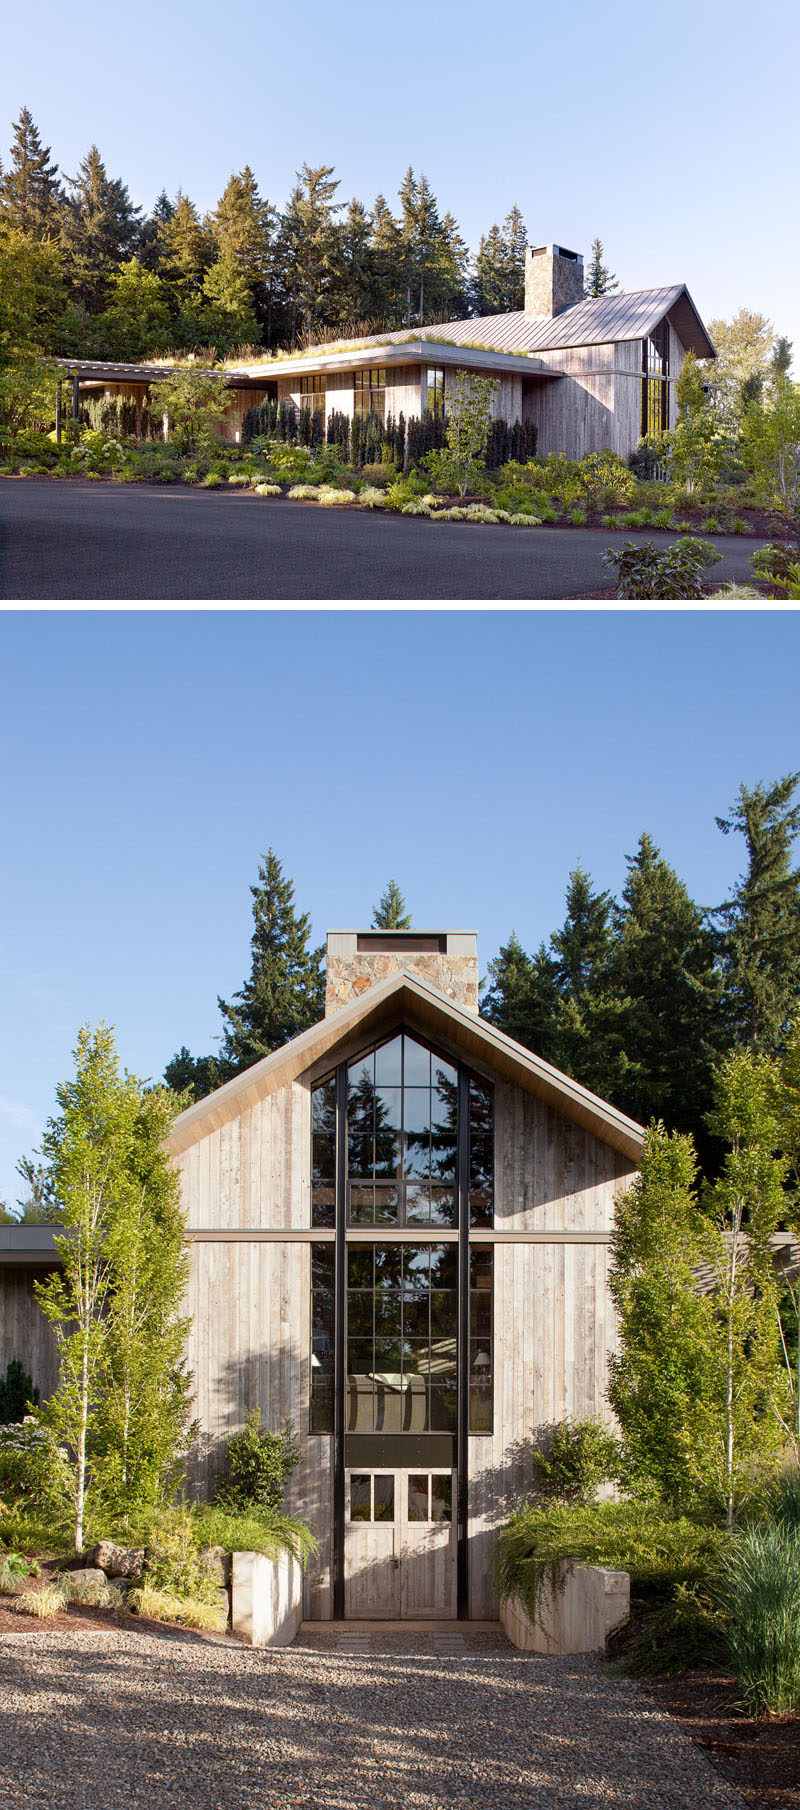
x,y
399,1227
588,373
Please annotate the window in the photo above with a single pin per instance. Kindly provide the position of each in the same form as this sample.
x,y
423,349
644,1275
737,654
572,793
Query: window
x,y
323,1153
481,1153
435,390
402,1126
481,1339
313,393
430,1497
370,393
655,380
402,1326
372,1497
322,1335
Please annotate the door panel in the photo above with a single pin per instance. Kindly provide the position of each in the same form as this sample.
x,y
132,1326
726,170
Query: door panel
x,y
405,1567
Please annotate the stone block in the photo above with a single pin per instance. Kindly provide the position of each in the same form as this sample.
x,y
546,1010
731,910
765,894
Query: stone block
x,y
267,1598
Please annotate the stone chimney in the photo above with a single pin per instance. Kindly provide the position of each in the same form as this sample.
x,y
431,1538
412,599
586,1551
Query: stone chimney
x,y
553,280
359,959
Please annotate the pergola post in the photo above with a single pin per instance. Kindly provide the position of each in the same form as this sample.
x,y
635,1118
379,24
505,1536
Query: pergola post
x,y
58,412
76,396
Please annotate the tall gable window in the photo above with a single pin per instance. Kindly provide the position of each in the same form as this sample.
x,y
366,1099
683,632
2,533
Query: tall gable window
x,y
435,390
402,1127
655,380
369,396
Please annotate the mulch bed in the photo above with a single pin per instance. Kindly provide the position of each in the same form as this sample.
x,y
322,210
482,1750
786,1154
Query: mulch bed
x,y
760,1757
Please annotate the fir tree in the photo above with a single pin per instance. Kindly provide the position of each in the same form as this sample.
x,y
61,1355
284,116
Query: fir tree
x,y
185,251
760,923
100,230
359,280
30,193
242,227
390,911
193,1077
522,999
311,249
285,991
598,280
659,1019
581,951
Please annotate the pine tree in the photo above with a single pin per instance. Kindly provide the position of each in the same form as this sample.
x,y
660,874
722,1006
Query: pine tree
x,y
100,230
390,911
359,287
152,228
598,280
30,194
660,1019
136,315
194,1077
760,923
285,991
185,251
388,254
229,313
242,227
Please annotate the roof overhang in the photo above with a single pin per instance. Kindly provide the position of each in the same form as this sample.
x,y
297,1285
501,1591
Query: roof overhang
x,y
28,1247
92,370
407,999
411,351
683,316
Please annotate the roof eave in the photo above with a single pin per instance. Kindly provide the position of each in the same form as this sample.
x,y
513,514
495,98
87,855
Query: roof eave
x,y
408,996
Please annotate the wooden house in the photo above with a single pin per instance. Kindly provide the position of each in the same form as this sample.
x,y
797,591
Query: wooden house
x,y
399,1228
587,373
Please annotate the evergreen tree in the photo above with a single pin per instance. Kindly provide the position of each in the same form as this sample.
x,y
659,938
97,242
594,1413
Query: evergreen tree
x,y
523,997
311,249
229,313
499,285
599,280
359,285
30,193
285,992
388,254
390,911
185,251
194,1077
151,230
242,227
581,950
760,923
659,1020
38,1206
100,230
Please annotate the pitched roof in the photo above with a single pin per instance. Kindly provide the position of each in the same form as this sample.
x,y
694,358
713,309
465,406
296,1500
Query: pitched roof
x,y
408,999
602,320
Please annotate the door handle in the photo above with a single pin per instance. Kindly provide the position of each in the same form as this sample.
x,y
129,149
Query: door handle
x,y
396,1564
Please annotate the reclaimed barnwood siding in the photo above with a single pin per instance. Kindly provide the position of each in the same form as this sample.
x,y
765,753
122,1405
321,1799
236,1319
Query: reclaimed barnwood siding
x,y
24,1331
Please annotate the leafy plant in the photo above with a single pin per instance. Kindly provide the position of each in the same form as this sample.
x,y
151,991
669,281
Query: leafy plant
x,y
14,1568
91,1592
258,1465
189,1611
174,1562
258,1529
674,572
44,1604
573,1458
605,480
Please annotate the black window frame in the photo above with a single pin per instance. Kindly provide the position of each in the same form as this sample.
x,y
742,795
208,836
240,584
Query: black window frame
x,y
369,385
655,381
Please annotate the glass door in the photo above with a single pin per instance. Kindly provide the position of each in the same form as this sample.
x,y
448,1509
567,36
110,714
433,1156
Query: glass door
x,y
400,1545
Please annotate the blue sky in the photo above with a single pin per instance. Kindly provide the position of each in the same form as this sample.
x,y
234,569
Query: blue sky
x,y
149,758
670,132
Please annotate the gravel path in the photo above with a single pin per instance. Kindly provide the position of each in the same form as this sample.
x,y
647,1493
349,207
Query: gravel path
x,y
111,1719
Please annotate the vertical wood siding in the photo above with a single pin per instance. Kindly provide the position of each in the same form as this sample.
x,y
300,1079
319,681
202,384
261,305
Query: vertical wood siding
x,y
24,1331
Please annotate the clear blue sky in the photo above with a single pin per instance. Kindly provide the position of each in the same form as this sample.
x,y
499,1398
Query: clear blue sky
x,y
150,758
669,131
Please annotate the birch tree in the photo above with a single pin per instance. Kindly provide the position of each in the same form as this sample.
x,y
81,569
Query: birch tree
x,y
87,1147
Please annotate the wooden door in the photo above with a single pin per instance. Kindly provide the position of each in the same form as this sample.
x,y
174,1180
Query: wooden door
x,y
400,1545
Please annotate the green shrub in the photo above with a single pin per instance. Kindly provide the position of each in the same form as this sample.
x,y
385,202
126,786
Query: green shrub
x,y
605,480
17,1393
758,1588
578,518
331,497
674,572
773,561
264,1530
33,1469
174,1561
405,490
740,526
573,1458
211,481
44,1604
258,1465
784,1500
663,518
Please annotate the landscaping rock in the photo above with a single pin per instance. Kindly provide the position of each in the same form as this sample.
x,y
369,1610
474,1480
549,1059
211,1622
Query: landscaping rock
x,y
93,1574
119,1561
218,1562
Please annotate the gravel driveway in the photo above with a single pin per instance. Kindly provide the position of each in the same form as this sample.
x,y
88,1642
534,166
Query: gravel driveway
x,y
112,1718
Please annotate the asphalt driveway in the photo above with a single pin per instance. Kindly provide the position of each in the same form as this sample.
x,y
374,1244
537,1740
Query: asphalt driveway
x,y
82,540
